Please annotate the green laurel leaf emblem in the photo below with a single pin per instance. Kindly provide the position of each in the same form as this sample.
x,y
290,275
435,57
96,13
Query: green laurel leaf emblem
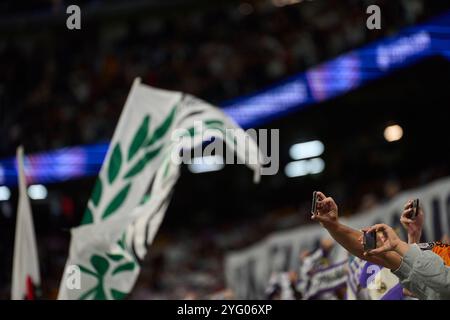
x,y
114,163
139,138
117,201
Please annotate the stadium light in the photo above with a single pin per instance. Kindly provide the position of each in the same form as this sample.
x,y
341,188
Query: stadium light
x,y
37,192
304,167
393,133
206,164
4,193
306,150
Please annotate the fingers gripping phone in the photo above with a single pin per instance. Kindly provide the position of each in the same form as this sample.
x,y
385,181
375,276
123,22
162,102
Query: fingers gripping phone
x,y
369,240
314,203
415,209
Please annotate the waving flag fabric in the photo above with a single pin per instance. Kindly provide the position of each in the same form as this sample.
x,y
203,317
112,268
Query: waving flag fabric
x,y
25,276
134,187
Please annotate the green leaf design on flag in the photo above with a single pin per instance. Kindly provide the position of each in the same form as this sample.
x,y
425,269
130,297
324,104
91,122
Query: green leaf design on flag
x,y
117,201
114,163
211,124
87,217
86,270
129,266
139,138
97,192
118,295
121,242
115,257
99,294
214,123
100,264
144,199
140,165
163,128
191,131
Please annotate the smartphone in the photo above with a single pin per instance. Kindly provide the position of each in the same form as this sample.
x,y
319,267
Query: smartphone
x,y
370,240
314,203
415,207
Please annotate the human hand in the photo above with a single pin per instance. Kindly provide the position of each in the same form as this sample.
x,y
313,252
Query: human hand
x,y
327,210
387,240
413,226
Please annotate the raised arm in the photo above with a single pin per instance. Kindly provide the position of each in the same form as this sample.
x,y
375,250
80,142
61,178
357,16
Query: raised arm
x,y
413,226
350,239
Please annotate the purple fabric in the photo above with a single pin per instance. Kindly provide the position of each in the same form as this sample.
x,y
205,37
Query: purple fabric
x,y
334,285
365,274
396,293
336,265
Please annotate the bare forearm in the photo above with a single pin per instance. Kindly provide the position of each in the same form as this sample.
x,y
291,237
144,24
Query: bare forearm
x,y
414,238
349,239
346,237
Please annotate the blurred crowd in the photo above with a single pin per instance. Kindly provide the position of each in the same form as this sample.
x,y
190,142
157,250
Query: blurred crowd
x,y
61,88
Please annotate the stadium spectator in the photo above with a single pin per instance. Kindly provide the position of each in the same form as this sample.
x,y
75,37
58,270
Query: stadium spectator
x,y
421,272
60,91
412,226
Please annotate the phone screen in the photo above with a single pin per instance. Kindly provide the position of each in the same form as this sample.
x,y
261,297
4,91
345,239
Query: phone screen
x,y
415,209
370,241
314,203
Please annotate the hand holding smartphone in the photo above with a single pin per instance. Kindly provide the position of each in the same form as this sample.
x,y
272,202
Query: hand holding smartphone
x,y
415,209
314,203
369,240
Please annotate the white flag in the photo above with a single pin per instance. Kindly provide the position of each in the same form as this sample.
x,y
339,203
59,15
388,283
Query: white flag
x,y
25,276
134,187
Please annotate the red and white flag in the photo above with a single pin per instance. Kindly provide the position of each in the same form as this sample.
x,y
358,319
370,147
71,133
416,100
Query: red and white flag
x,y
25,276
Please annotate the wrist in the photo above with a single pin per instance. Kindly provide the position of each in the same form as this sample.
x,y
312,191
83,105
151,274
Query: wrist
x,y
414,237
401,248
332,225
